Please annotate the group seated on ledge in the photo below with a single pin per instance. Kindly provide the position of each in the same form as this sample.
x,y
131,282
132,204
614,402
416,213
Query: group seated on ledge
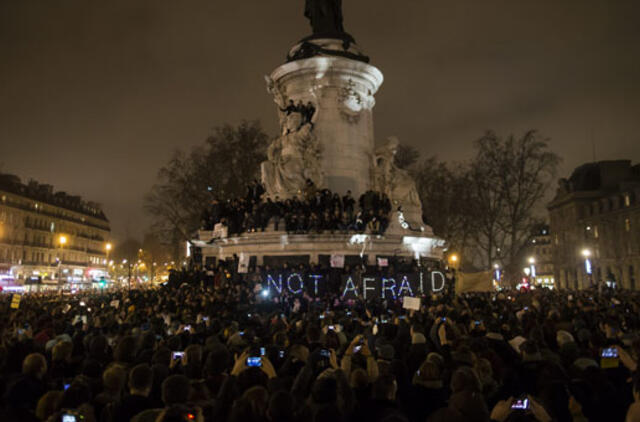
x,y
315,211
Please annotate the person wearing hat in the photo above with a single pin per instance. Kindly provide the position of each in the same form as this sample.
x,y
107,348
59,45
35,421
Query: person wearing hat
x,y
426,393
466,395
418,349
385,354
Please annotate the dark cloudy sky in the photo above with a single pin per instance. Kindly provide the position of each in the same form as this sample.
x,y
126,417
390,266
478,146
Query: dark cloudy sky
x,y
95,95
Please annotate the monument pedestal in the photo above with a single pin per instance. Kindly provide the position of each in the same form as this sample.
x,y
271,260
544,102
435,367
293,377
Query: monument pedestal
x,y
266,247
342,92
325,99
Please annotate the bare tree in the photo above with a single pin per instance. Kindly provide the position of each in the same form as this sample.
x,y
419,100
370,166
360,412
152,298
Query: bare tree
x,y
486,204
487,208
444,191
406,156
512,176
223,167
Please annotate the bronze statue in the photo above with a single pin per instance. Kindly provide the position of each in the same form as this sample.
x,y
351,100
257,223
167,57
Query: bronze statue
x,y
325,16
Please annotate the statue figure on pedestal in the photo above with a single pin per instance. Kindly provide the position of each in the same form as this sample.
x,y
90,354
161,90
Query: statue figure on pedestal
x,y
325,16
395,182
292,159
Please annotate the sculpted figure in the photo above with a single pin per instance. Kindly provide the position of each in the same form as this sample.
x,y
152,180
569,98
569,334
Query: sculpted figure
x,y
293,158
395,182
325,16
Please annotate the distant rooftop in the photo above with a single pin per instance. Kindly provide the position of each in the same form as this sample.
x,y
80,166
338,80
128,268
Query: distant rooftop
x,y
603,175
45,193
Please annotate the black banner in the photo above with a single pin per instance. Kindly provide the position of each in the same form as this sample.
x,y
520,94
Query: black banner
x,y
350,286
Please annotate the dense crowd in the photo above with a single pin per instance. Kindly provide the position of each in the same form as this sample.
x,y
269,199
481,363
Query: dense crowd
x,y
204,351
314,211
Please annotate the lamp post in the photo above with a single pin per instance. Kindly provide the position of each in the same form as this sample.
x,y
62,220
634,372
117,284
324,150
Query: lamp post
x,y
532,267
107,248
124,261
62,240
588,268
453,260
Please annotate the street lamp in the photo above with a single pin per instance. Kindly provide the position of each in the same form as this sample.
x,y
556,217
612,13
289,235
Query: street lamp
x,y
128,264
532,266
62,240
496,266
588,268
453,261
108,248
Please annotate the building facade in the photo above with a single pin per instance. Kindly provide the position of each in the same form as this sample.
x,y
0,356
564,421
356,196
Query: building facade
x,y
49,238
595,226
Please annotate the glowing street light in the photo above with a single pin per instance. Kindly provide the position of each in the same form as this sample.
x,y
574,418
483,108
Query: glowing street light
x,y
588,268
62,240
453,260
108,248
532,266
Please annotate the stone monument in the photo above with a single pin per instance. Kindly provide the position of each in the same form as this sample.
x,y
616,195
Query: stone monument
x,y
336,140
324,96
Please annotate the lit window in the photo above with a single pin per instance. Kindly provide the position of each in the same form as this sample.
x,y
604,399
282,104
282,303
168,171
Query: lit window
x,y
627,200
627,224
595,232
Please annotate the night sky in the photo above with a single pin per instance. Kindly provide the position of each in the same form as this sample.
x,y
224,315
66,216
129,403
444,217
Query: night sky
x,y
95,95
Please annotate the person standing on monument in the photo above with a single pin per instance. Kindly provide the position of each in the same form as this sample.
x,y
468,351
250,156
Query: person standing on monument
x,y
309,111
290,108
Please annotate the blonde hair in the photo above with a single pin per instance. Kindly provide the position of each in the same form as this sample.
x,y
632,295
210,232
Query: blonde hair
x,y
114,378
48,404
34,364
62,351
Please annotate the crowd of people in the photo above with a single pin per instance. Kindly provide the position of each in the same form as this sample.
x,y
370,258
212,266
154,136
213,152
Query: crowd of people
x,y
198,350
314,211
